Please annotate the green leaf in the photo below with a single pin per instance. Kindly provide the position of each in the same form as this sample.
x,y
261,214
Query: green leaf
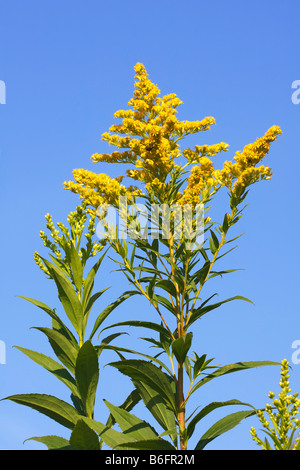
x,y
52,366
148,374
61,265
168,286
201,274
213,242
225,224
56,409
90,304
199,312
83,437
150,287
143,324
64,349
104,314
181,346
220,427
157,407
108,340
118,350
53,315
110,437
198,365
208,409
76,265
93,299
87,376
130,424
129,403
229,368
52,442
89,282
166,303
221,273
67,296
188,367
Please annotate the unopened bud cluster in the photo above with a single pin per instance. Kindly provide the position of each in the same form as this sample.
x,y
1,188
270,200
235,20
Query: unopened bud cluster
x,y
282,414
61,238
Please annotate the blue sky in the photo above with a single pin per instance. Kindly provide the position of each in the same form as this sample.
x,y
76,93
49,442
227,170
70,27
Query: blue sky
x,y
68,66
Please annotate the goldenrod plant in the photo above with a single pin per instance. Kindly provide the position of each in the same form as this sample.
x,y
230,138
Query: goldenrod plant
x,y
170,263
282,424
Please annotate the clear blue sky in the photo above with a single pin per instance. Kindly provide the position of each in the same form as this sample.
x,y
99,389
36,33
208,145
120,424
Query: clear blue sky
x,y
68,66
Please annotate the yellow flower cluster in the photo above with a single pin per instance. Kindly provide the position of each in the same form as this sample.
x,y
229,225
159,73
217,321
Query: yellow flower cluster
x,y
147,139
98,189
242,172
200,151
192,127
148,136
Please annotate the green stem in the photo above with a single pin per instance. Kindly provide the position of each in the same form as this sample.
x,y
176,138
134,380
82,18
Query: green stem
x,y
180,331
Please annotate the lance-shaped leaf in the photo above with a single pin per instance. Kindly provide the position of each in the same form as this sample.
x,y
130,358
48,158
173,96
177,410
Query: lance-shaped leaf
x,y
52,366
119,351
167,285
148,373
104,314
87,376
76,265
83,437
143,324
52,442
199,312
181,346
157,407
165,303
110,437
202,273
229,368
90,305
130,424
56,409
89,282
220,427
138,429
221,273
67,296
200,364
63,328
213,242
208,409
63,265
129,403
107,340
64,349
